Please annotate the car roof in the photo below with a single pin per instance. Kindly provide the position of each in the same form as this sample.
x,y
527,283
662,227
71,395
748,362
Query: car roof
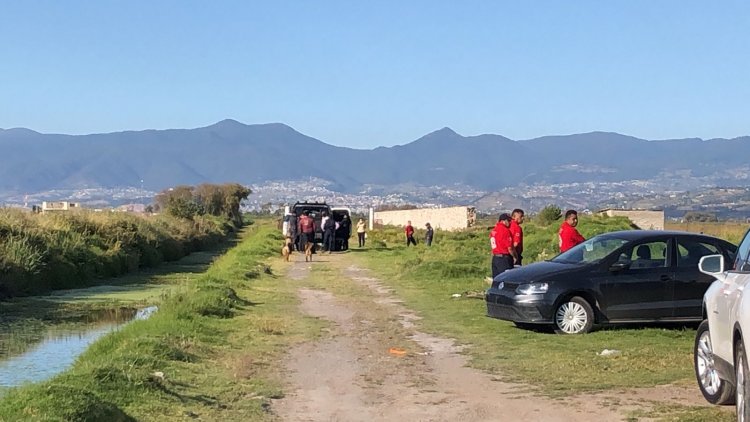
x,y
645,234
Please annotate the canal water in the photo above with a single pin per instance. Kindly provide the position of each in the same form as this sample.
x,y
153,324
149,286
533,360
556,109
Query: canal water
x,y
55,349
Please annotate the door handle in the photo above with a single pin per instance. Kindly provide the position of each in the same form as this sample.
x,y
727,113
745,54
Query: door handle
x,y
665,277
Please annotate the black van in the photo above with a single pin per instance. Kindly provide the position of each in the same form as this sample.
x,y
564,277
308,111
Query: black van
x,y
315,211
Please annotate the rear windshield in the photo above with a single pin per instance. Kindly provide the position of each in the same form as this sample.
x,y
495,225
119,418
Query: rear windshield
x,y
317,209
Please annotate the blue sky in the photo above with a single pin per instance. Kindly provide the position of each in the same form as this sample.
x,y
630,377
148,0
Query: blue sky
x,y
366,74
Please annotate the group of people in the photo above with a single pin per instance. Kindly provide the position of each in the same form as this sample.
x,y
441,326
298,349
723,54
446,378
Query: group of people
x,y
302,230
409,231
506,239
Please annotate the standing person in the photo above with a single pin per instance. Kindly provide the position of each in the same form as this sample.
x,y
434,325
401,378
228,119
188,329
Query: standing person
x,y
516,219
361,232
428,235
409,230
501,241
343,231
568,234
306,230
328,224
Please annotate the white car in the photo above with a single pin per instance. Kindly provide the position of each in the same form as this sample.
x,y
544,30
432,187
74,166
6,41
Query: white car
x,y
723,338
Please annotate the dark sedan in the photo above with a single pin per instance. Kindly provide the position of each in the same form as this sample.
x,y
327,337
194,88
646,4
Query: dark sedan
x,y
618,277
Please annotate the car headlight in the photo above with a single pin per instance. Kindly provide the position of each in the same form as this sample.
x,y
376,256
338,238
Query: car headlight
x,y
532,289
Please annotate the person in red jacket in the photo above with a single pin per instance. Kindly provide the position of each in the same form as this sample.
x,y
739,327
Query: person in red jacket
x,y
568,234
516,219
409,230
306,229
501,242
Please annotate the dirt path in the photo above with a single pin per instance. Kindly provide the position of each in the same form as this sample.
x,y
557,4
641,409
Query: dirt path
x,y
351,374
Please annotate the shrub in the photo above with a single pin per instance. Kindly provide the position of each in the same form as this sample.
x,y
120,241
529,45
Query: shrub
x,y
548,215
39,252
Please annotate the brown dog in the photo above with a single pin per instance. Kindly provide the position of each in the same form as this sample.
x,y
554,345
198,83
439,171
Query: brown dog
x,y
287,249
308,251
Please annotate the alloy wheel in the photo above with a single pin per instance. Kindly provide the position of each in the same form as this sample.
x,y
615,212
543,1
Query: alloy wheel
x,y
707,374
571,317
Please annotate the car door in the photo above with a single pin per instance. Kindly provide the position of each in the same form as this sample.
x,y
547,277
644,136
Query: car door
x,y
722,308
643,290
689,283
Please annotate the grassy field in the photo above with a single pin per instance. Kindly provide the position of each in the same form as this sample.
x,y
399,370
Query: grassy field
x,y
558,365
209,352
213,349
732,232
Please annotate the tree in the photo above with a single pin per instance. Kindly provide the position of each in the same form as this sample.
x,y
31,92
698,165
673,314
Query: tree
x,y
701,217
234,194
219,200
549,214
211,197
179,202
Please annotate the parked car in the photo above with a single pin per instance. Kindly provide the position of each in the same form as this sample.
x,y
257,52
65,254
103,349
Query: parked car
x,y
721,342
618,277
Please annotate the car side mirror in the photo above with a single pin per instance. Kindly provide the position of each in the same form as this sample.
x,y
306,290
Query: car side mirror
x,y
619,266
712,265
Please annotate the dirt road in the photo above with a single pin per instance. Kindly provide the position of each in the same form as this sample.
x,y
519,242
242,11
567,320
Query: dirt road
x,y
374,364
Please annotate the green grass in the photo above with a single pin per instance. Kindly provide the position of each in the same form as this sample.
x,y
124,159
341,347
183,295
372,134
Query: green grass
x,y
44,252
675,413
559,365
216,344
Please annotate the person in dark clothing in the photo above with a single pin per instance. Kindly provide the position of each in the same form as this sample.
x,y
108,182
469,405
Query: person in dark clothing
x,y
409,230
428,235
329,233
343,231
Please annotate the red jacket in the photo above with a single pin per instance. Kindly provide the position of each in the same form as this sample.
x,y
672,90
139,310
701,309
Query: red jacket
x,y
517,232
569,236
306,224
409,230
500,239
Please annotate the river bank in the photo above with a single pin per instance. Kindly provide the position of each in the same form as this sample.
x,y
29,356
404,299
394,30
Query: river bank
x,y
188,359
41,336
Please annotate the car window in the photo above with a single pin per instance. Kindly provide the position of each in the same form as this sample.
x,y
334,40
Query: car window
x,y
591,250
646,255
690,251
741,262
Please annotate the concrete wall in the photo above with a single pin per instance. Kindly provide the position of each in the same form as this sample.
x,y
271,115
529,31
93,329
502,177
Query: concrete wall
x,y
646,220
59,206
452,218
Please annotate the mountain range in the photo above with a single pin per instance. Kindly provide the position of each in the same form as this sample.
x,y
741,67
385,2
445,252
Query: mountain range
x,y
230,151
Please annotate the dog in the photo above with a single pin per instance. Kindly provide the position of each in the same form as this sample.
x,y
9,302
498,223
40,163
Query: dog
x,y
308,251
286,250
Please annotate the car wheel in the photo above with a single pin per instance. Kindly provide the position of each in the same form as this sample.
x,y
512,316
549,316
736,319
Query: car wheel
x,y
574,316
743,383
714,389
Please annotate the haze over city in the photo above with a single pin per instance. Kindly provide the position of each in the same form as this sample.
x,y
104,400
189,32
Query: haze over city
x,y
366,75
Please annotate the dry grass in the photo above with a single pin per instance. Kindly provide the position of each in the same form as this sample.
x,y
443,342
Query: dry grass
x,y
730,231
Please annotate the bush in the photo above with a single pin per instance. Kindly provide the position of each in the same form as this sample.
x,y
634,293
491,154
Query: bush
x,y
39,252
548,215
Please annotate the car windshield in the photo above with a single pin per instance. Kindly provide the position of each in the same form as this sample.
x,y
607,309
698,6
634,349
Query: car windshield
x,y
590,251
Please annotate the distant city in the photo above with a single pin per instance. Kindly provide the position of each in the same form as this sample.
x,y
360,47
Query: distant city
x,y
724,202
